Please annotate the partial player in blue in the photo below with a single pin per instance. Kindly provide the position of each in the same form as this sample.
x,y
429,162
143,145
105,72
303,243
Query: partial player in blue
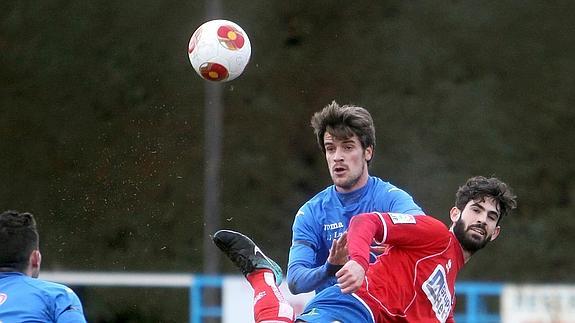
x,y
23,297
346,135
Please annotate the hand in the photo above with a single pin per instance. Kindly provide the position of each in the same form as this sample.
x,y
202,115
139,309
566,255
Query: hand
x,y
350,277
338,251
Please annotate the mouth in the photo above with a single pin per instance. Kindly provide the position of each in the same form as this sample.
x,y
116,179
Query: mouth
x,y
478,230
339,170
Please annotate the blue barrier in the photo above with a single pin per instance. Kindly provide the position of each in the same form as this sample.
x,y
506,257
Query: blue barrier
x,y
472,301
474,295
197,308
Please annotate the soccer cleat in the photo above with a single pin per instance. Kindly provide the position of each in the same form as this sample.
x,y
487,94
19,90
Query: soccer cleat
x,y
244,253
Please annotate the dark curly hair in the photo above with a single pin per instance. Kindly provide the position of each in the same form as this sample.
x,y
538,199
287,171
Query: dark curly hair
x,y
479,187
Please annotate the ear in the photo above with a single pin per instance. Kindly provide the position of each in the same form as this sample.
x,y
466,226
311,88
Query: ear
x,y
34,263
35,258
454,214
496,233
368,153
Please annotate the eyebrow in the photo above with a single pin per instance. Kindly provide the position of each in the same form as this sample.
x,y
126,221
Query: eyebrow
x,y
481,207
345,141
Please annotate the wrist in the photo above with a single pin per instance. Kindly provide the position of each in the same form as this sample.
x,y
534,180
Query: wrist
x,y
364,263
331,269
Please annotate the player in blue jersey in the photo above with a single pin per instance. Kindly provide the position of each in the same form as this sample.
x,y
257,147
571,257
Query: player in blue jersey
x,y
23,297
346,135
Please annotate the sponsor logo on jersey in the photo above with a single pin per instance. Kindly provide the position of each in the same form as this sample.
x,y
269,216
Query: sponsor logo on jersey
x,y
3,298
332,226
400,218
311,312
435,287
333,231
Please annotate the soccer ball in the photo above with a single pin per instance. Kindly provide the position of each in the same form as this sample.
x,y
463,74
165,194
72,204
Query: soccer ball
x,y
219,50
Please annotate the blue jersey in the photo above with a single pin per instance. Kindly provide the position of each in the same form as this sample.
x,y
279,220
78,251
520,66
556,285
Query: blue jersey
x,y
326,217
26,299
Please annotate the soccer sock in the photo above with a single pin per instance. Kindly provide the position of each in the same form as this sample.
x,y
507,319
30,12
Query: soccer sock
x,y
269,303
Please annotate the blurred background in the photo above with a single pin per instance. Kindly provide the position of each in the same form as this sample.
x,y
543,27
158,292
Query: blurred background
x,y
102,127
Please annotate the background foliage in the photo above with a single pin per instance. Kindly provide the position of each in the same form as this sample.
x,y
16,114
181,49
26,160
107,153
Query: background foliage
x,y
101,124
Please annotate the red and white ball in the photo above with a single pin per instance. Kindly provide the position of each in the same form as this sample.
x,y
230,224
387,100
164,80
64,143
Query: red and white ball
x,y
219,50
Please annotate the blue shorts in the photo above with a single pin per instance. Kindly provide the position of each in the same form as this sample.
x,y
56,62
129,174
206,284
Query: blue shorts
x,y
331,305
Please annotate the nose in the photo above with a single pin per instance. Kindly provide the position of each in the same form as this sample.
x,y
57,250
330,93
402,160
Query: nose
x,y
482,218
338,156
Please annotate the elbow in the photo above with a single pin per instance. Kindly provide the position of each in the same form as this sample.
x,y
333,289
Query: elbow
x,y
293,286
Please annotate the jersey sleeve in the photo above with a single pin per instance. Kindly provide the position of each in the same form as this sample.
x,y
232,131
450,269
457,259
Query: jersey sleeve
x,y
363,229
451,317
303,275
305,229
417,232
394,229
67,307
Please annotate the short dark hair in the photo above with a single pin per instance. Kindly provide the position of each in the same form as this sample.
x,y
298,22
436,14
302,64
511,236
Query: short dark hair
x,y
18,238
343,122
479,187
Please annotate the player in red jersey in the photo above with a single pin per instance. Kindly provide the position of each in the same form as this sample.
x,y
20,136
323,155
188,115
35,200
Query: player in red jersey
x,y
412,281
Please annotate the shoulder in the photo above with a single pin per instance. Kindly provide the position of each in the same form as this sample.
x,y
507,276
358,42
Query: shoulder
x,y
389,197
49,289
434,222
322,196
381,186
428,225
433,228
317,202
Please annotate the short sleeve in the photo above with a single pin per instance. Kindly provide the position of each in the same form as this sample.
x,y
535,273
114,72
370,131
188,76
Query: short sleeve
x,y
68,308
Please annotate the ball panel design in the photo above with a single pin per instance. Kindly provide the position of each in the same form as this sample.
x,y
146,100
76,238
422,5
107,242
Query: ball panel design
x,y
214,72
219,43
230,37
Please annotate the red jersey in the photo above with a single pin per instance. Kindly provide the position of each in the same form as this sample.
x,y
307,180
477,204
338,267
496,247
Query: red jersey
x,y
413,280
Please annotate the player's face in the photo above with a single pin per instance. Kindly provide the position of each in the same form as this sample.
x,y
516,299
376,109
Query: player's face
x,y
347,162
476,225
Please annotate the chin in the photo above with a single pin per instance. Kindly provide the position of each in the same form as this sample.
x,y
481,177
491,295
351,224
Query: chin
x,y
340,182
476,244
346,183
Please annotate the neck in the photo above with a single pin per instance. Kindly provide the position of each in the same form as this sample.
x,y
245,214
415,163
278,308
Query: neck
x,y
466,253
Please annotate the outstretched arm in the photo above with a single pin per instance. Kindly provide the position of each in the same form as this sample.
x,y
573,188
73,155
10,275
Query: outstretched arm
x,y
363,229
387,228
